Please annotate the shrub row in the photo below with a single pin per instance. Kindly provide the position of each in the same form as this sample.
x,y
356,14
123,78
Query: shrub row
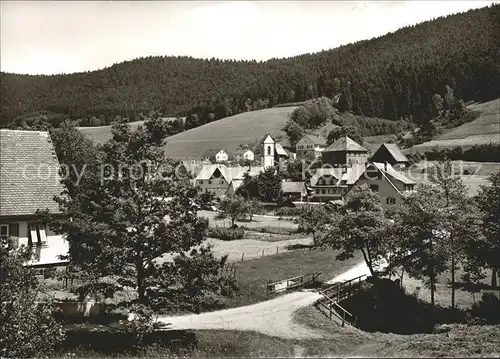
x,y
479,153
226,234
288,211
272,229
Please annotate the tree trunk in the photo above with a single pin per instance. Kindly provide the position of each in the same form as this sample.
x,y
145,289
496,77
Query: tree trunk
x,y
368,263
432,291
453,280
432,276
493,278
141,288
232,222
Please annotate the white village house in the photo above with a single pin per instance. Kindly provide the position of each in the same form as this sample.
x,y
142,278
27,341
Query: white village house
x,y
216,156
311,145
222,180
244,154
29,180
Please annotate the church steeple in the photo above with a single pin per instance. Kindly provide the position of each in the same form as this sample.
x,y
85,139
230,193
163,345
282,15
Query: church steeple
x,y
268,151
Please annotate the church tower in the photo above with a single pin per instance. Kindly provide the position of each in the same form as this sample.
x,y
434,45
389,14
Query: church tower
x,y
268,150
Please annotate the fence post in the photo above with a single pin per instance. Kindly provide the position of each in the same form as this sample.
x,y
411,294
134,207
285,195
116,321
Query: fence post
x,y
276,249
263,253
242,256
338,292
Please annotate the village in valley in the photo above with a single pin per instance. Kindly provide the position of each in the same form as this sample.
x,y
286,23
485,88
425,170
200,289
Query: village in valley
x,y
335,170
334,204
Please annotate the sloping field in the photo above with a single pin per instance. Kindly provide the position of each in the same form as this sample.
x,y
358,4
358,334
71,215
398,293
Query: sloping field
x,y
100,134
227,133
485,129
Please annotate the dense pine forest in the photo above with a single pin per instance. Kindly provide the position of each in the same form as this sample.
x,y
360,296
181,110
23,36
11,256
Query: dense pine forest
x,y
394,76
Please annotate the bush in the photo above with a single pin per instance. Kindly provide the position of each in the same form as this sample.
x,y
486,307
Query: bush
x,y
273,230
488,309
288,212
478,153
226,234
101,341
385,307
26,329
141,325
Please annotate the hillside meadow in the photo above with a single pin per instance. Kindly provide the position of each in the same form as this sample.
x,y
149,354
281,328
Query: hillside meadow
x,y
227,133
100,134
483,130
249,127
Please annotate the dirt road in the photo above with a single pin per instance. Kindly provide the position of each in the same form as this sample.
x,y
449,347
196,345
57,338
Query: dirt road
x,y
273,317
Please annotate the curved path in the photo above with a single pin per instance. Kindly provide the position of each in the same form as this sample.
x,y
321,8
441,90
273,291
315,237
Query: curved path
x,y
272,317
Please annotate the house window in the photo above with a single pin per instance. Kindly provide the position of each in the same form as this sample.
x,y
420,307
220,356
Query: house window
x,y
408,187
317,190
200,189
4,230
374,187
10,230
391,200
209,182
323,191
36,234
200,181
221,182
269,150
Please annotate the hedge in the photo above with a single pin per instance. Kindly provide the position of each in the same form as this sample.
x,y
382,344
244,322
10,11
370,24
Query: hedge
x,y
288,211
477,153
273,230
226,234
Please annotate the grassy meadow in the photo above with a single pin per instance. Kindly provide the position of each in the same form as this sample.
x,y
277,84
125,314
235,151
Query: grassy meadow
x,y
483,130
253,275
227,133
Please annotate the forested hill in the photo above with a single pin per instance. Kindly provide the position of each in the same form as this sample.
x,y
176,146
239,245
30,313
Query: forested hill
x,y
393,76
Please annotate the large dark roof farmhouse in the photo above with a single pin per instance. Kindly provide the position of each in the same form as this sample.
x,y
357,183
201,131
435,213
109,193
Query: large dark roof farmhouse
x,y
345,144
29,173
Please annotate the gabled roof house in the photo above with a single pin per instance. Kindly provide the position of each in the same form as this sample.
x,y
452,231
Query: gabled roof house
x,y
29,180
390,153
310,145
345,151
217,178
390,184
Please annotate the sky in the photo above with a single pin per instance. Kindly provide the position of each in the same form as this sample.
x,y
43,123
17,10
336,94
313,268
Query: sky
x,y
52,37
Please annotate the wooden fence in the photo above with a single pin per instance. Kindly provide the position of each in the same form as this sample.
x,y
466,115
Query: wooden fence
x,y
331,296
294,282
343,290
335,310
